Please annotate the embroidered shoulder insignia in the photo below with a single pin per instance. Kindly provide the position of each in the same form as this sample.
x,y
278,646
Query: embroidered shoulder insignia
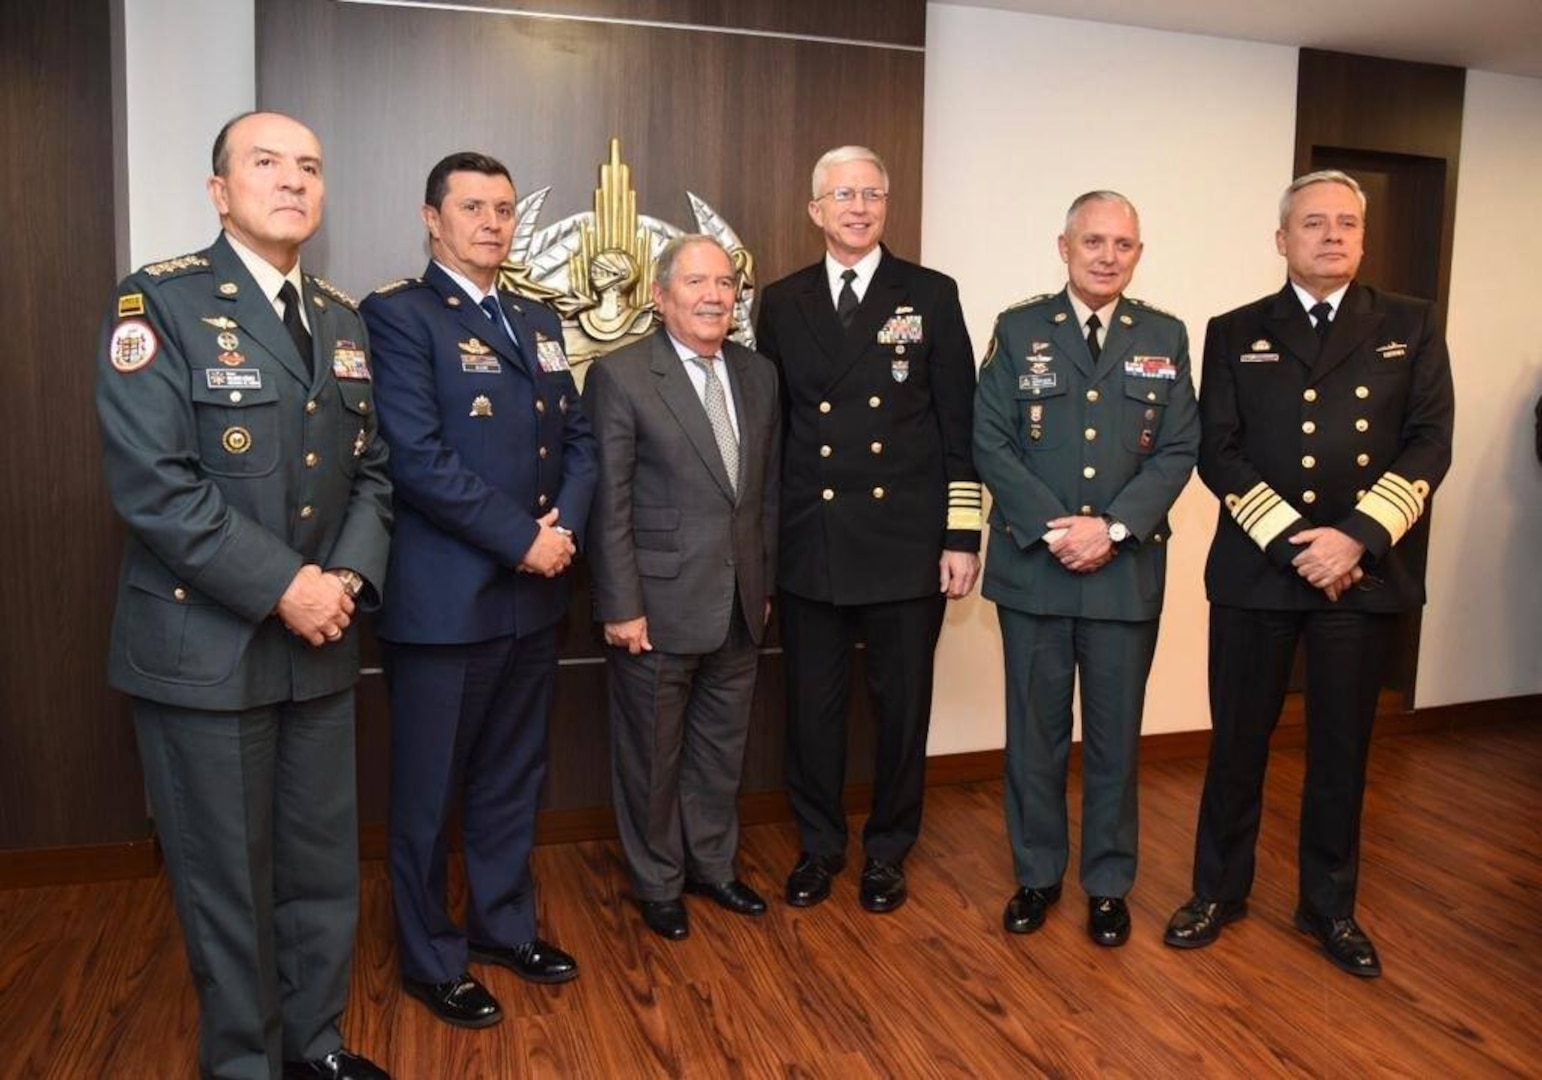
x,y
1150,307
1030,301
182,264
333,291
395,286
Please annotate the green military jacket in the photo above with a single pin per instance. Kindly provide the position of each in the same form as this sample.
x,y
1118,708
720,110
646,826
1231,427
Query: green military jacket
x,y
1056,435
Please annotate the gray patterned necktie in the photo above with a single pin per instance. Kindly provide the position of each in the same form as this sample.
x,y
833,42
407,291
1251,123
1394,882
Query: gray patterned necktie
x,y
717,416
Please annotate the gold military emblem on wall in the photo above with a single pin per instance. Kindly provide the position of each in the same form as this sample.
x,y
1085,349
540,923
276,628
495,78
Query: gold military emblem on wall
x,y
596,268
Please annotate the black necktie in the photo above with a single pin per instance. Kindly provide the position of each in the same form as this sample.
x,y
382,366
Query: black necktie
x,y
846,306
297,332
1322,311
1092,337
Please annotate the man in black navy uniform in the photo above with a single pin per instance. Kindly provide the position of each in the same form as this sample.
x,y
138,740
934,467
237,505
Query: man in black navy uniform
x,y
241,452
494,468
880,514
1326,413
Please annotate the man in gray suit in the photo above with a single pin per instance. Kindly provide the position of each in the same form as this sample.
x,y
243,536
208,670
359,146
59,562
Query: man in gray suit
x,y
1085,432
683,550
237,418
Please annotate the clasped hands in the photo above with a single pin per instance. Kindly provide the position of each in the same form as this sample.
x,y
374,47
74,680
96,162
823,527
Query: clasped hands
x,y
1329,560
552,550
1084,546
316,606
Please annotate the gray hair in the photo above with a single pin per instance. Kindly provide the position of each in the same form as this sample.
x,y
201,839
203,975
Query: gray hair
x,y
664,261
1098,196
840,156
1321,176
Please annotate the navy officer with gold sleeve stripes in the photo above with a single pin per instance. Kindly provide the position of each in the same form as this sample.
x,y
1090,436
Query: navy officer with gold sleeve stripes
x,y
241,452
1085,433
1327,413
880,512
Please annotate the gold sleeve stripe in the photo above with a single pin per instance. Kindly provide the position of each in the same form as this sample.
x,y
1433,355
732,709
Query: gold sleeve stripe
x,y
1262,514
965,504
1394,504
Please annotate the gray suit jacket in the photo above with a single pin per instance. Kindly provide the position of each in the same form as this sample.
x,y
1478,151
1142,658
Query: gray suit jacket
x,y
667,537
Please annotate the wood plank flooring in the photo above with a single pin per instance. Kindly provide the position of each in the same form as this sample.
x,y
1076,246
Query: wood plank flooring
x,y
93,984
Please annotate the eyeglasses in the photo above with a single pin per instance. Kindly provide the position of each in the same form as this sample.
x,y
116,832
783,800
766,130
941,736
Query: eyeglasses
x,y
849,194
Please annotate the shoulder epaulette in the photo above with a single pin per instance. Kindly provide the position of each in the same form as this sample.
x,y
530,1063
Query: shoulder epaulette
x,y
1032,300
1150,307
333,291
182,264
396,286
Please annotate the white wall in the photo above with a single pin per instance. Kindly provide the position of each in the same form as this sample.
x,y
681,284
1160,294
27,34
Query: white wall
x,y
1024,113
1482,633
190,67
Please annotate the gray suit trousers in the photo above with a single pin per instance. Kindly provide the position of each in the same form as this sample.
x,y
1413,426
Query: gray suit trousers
x,y
678,725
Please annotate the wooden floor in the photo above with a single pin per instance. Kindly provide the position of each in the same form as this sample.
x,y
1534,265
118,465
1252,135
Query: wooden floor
x,y
92,982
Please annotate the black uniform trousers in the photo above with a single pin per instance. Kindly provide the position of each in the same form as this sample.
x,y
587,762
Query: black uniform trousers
x,y
1043,656
900,642
678,726
256,816
1251,652
467,720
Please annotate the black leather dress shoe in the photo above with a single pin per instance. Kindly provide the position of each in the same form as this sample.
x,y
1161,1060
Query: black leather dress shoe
x,y
1108,921
463,1002
338,1065
734,895
809,882
1198,923
666,918
883,886
1345,943
1027,908
535,961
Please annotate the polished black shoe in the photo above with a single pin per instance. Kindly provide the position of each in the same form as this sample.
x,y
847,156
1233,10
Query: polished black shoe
x,y
1345,943
338,1065
666,918
1027,908
734,895
1108,921
1198,923
883,886
535,961
463,1002
809,882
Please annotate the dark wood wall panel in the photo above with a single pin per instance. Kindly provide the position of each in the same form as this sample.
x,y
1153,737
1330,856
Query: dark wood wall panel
x,y
738,119
69,774
1396,127
901,23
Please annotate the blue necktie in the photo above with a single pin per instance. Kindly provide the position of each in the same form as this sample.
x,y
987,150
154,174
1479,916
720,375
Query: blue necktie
x,y
494,312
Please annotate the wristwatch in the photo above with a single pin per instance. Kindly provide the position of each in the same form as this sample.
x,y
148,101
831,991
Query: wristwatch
x,y
1118,532
353,584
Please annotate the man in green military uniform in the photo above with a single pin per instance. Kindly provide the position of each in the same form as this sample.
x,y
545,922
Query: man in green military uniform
x,y
1085,432
241,452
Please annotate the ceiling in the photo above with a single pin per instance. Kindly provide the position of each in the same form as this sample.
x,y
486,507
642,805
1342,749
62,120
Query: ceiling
x,y
1489,35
